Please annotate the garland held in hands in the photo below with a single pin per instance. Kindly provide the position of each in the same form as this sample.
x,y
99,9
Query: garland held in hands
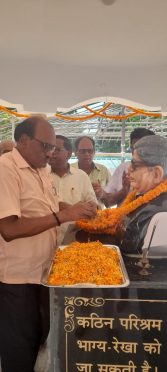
x,y
109,220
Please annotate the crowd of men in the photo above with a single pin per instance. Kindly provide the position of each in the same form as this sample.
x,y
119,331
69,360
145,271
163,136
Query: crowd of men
x,y
42,194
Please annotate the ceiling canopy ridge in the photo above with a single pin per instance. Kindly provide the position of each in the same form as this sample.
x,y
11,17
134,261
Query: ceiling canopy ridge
x,y
114,100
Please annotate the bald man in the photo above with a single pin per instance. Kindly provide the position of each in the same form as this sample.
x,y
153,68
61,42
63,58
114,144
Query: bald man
x,y
29,216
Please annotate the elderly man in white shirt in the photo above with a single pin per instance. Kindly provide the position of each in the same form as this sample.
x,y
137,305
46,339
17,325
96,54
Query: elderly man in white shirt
x,y
71,185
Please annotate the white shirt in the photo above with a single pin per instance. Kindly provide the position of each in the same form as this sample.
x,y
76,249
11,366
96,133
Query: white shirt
x,y
73,187
115,184
100,174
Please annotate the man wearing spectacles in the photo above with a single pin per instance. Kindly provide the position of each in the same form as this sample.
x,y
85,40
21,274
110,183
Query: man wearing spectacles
x,y
29,216
72,185
98,173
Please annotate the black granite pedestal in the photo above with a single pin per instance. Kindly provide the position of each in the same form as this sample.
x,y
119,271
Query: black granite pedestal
x,y
112,329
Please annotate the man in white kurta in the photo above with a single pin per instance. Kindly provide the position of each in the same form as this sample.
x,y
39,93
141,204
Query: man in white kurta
x,y
71,185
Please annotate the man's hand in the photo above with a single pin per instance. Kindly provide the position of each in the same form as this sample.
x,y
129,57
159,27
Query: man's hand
x,y
81,210
125,183
63,205
98,189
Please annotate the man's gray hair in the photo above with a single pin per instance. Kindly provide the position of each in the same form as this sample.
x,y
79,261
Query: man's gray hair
x,y
152,150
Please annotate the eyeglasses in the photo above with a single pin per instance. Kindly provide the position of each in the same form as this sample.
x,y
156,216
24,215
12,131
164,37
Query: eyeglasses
x,y
58,149
45,146
139,164
84,151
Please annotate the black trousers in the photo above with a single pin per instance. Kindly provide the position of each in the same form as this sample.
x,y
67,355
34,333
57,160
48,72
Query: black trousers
x,y
24,325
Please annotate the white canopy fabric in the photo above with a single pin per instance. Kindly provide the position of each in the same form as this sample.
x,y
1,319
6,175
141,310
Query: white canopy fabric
x,y
58,53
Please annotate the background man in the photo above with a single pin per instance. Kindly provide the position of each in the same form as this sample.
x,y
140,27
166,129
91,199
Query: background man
x,y
98,173
72,185
119,185
6,146
29,215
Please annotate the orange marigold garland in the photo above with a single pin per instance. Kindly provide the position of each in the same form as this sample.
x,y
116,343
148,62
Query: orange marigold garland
x,y
109,220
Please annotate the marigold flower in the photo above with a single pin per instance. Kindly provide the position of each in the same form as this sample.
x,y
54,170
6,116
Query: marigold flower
x,y
91,263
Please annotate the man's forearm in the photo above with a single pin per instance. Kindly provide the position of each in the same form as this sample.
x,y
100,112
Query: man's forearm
x,y
14,228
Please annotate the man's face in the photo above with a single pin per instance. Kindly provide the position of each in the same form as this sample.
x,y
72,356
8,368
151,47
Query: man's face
x,y
85,152
38,150
142,176
60,156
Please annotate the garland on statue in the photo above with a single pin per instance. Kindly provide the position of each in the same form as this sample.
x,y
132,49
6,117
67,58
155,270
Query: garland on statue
x,y
109,220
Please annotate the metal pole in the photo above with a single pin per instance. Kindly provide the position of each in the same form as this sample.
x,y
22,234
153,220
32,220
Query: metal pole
x,y
13,128
123,137
123,141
